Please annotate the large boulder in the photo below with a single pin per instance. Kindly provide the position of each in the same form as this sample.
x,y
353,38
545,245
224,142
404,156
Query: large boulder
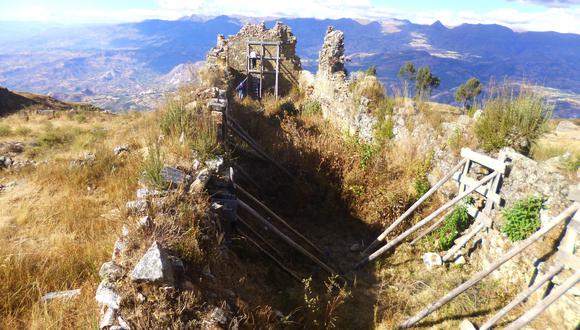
x,y
154,266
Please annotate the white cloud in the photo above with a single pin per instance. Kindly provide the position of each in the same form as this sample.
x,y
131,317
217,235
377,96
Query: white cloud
x,y
553,18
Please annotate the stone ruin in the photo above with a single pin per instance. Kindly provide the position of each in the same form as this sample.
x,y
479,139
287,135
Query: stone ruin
x,y
230,54
330,87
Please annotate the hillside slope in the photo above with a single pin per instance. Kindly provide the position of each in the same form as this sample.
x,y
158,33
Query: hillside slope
x,y
11,102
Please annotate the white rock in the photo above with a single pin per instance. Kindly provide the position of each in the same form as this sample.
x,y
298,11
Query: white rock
x,y
154,266
200,181
145,222
118,249
432,259
139,206
110,271
107,295
108,318
459,261
143,193
68,294
123,324
214,164
466,325
125,231
121,149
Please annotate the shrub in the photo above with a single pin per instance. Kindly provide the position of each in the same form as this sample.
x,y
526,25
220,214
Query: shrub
x,y
371,71
523,218
513,118
454,223
312,108
152,166
5,130
80,118
176,118
22,131
367,152
288,108
367,86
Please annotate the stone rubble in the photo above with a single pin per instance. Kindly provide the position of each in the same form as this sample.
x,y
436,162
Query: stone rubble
x,y
154,266
107,295
68,294
432,260
110,271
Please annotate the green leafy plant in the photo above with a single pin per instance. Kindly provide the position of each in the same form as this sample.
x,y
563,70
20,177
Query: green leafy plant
x,y
454,223
152,166
523,218
312,108
367,152
5,130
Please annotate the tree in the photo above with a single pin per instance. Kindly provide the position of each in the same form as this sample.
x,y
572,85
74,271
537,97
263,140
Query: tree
x,y
425,82
408,73
371,71
468,92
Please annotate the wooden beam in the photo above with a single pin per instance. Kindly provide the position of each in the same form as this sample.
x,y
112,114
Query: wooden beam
x,y
275,216
479,276
521,297
451,253
483,190
279,263
531,314
287,239
430,229
413,207
423,222
494,164
260,237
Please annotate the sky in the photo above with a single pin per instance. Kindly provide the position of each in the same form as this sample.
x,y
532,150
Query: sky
x,y
520,15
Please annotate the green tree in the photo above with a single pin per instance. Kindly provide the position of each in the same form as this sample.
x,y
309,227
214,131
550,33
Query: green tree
x,y
425,82
371,71
408,73
468,92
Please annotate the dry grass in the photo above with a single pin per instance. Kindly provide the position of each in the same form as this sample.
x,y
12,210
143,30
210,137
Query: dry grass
x,y
60,221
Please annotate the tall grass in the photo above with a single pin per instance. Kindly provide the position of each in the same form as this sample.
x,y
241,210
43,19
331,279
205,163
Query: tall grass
x,y
513,117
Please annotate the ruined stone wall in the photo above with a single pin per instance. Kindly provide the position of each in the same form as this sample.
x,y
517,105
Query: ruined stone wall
x,y
330,87
231,53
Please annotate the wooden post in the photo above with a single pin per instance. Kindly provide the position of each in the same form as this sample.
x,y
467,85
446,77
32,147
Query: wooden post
x,y
464,173
531,314
521,297
451,253
279,263
262,68
260,237
275,216
479,276
430,229
277,68
413,207
248,81
284,237
421,223
243,135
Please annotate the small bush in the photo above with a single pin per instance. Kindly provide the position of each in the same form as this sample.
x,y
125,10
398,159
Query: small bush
x,y
312,108
176,118
5,130
454,223
513,118
22,131
523,218
367,153
152,166
371,71
422,185
288,108
80,118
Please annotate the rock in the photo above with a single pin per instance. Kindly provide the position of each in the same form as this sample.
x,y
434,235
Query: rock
x,y
144,193
566,126
356,247
118,249
432,259
177,263
121,149
141,297
68,294
477,114
145,222
216,317
107,295
466,325
125,231
154,266
332,57
137,207
195,164
200,181
110,271
460,260
108,319
176,177
213,165
123,324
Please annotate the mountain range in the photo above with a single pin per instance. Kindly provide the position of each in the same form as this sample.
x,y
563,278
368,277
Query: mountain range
x,y
131,65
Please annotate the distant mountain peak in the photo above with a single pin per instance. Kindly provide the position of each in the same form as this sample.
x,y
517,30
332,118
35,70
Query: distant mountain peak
x,y
438,25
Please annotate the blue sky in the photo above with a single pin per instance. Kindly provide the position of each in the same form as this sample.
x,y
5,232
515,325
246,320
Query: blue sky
x,y
536,15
